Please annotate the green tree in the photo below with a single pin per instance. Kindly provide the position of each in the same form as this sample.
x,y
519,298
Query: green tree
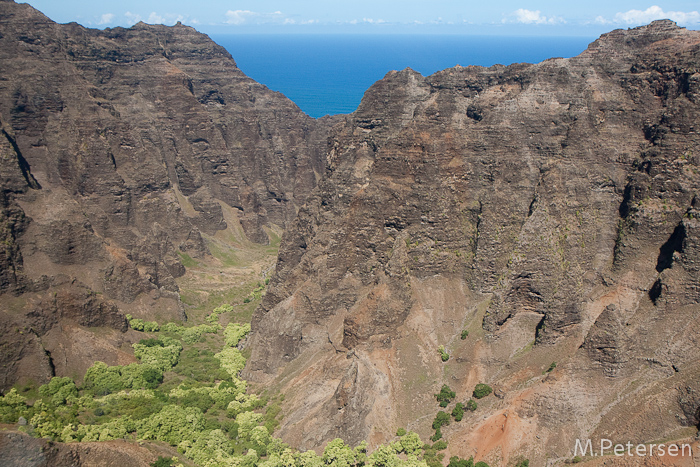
x,y
444,356
234,332
482,390
247,421
162,357
59,390
231,360
101,379
163,462
441,419
440,445
338,454
384,456
307,459
173,424
457,462
260,439
141,376
458,412
445,396
13,398
411,443
208,446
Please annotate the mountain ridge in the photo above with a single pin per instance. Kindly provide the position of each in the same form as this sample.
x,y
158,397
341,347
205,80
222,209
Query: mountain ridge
x,y
527,204
125,151
533,227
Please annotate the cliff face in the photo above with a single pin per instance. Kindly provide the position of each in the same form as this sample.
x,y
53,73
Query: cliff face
x,y
119,150
551,210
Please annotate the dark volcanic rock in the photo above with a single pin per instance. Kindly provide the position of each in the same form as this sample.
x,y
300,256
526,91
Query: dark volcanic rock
x,y
517,202
119,146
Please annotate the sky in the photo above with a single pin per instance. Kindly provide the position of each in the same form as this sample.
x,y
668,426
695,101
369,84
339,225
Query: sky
x,y
503,17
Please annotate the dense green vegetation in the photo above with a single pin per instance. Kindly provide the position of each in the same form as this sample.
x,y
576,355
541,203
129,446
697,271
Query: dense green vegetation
x,y
185,394
458,412
185,390
163,462
457,462
481,390
445,396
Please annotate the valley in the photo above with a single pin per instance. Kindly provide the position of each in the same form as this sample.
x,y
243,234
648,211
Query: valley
x,y
484,266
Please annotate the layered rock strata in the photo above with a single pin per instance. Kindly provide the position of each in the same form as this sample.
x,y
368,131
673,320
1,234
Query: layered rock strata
x,y
548,209
121,150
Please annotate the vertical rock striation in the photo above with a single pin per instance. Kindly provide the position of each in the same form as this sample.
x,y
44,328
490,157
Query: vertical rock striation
x,y
121,148
516,202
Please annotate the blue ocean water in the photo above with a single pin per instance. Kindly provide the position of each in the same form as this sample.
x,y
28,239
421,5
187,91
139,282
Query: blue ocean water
x,y
328,74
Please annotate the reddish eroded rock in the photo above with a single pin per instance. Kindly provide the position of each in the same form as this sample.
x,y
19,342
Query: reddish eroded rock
x,y
516,202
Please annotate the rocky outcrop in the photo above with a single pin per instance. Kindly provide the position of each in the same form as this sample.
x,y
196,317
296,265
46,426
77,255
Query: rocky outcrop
x,y
21,450
121,149
515,202
606,342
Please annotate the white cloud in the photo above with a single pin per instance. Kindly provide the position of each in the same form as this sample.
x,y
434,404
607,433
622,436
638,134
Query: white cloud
x,y
524,16
239,17
372,21
527,16
155,18
656,12
132,18
107,18
303,22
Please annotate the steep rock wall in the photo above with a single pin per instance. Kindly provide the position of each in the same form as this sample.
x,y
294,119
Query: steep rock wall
x,y
518,203
120,149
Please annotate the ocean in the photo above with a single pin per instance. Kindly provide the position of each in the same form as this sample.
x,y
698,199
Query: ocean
x,y
328,74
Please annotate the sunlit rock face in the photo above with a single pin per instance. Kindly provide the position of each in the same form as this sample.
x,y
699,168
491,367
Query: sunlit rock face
x,y
548,209
121,150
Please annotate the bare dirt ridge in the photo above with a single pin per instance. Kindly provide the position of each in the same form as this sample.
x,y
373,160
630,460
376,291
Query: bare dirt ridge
x,y
550,209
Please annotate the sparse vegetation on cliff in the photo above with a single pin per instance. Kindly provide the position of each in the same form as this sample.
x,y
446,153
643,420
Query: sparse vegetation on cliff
x,y
444,356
